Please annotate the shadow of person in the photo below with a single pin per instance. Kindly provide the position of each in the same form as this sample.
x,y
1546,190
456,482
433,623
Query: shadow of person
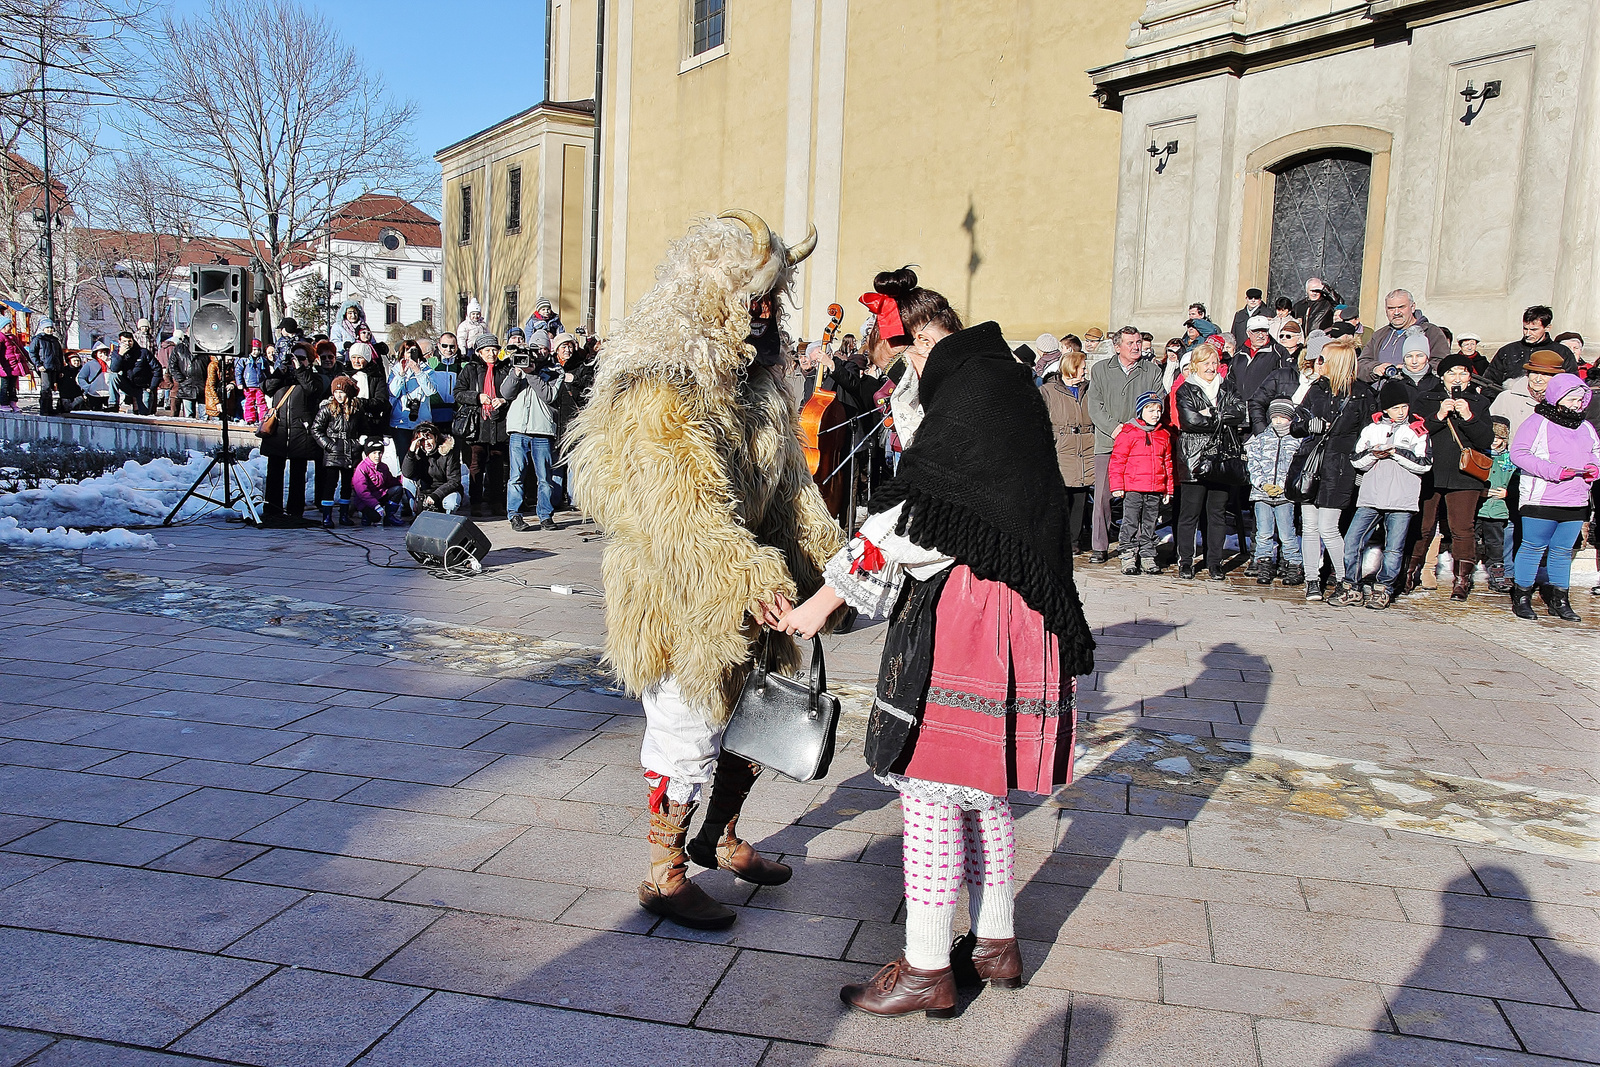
x,y
1482,950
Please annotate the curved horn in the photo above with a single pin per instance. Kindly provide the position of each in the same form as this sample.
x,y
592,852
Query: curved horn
x,y
804,248
758,229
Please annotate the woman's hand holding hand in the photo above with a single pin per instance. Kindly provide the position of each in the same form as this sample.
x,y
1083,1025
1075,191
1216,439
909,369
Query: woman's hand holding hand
x,y
772,613
808,618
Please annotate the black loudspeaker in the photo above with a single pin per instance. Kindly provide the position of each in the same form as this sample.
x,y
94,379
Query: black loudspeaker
x,y
219,315
440,540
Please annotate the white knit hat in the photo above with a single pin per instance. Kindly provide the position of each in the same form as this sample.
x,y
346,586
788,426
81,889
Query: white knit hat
x,y
1047,343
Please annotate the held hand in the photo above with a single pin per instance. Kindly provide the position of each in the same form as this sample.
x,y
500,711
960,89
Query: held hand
x,y
1567,474
1591,473
1445,409
805,620
1166,498
1497,494
772,613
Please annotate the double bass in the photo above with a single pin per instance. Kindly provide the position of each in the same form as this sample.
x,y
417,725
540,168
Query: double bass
x,y
823,425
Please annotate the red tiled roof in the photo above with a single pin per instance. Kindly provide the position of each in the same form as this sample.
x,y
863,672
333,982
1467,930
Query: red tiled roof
x,y
125,246
367,216
29,181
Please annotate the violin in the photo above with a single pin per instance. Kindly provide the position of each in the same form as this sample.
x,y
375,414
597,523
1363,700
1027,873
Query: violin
x,y
822,424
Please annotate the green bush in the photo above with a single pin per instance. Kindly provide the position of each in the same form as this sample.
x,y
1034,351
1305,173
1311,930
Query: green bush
x,y
30,464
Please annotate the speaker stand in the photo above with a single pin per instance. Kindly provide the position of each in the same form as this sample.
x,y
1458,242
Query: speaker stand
x,y
236,487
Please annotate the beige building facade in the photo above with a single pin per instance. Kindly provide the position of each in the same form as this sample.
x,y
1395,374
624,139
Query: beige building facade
x,y
958,135
1333,136
516,200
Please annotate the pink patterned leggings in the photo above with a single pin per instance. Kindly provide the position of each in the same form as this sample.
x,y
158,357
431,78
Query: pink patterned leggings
x,y
943,847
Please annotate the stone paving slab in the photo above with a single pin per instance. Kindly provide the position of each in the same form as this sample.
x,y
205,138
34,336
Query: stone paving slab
x,y
459,831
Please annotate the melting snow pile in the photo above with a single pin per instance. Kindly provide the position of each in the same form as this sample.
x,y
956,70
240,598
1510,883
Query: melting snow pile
x,y
12,533
135,494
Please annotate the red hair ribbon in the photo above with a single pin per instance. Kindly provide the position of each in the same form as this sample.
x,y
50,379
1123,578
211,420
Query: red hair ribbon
x,y
887,313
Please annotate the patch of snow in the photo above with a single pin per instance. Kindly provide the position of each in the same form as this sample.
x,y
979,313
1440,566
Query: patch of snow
x,y
13,533
1405,794
135,494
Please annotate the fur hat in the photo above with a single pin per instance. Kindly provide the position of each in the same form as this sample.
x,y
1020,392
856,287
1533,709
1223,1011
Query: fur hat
x,y
1501,424
1392,394
1281,406
1449,363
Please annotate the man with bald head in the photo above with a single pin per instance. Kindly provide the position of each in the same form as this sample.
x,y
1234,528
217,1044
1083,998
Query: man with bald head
x,y
1315,312
1387,346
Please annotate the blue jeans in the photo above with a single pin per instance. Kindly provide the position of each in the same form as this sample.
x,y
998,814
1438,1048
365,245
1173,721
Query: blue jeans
x,y
1395,526
1539,535
1275,522
526,449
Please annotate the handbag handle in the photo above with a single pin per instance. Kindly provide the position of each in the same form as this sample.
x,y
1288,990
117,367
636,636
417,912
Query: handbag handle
x,y
816,673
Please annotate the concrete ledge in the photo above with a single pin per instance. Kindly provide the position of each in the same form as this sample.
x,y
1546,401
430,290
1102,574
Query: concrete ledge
x,y
122,432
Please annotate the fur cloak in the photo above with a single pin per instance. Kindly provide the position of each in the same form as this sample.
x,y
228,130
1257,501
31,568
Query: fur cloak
x,y
687,457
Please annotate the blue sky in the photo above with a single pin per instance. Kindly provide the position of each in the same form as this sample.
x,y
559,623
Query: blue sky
x,y
466,64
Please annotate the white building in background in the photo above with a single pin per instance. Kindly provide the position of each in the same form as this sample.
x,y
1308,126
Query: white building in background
x,y
385,253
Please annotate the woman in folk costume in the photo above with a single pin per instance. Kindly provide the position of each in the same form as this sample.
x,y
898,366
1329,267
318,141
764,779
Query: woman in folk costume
x,y
687,456
971,534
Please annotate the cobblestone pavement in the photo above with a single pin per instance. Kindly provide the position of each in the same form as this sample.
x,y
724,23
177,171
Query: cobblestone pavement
x,y
263,803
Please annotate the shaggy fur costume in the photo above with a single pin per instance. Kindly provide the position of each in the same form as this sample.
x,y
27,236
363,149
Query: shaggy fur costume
x,y
688,458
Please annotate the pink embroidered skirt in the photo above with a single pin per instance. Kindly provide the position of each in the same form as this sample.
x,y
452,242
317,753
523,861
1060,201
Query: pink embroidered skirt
x,y
999,715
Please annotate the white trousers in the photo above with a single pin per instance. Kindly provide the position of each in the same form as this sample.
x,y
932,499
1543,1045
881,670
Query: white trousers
x,y
679,742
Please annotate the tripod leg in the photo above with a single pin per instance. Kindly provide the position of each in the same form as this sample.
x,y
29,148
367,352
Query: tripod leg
x,y
192,490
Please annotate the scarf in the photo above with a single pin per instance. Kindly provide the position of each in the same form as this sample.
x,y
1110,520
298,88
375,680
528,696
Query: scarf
x,y
1559,415
488,381
1211,388
980,482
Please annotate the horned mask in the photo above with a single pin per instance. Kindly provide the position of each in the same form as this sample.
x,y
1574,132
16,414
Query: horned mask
x,y
775,257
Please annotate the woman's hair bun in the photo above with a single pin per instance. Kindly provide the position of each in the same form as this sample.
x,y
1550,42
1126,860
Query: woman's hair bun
x,y
896,283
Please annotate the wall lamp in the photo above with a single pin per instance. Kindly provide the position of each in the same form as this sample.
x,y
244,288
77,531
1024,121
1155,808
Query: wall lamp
x,y
1164,154
1489,92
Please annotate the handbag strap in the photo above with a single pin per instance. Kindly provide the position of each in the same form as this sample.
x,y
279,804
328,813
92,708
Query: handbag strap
x,y
816,673
279,405
1450,422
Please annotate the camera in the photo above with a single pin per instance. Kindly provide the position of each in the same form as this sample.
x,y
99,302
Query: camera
x,y
1392,372
413,408
521,358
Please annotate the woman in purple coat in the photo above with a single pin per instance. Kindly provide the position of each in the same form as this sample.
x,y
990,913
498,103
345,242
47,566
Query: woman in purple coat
x,y
1558,453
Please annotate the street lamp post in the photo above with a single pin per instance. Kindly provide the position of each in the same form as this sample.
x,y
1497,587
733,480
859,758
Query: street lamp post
x,y
49,211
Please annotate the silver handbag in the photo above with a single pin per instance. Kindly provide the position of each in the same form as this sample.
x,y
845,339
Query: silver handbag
x,y
786,724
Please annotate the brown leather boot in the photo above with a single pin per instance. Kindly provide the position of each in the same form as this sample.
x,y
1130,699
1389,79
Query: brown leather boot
x,y
975,960
900,989
669,893
1463,583
717,845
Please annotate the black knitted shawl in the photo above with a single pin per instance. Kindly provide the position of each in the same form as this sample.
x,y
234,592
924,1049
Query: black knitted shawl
x,y
981,483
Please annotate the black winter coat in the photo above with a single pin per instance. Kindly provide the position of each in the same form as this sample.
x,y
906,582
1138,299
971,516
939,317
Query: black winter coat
x,y
438,475
1199,420
1425,394
338,433
469,383
293,434
572,396
1345,418
1282,382
188,370
1508,361
1476,432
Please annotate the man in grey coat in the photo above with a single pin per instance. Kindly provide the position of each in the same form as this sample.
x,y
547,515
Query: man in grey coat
x,y
1115,384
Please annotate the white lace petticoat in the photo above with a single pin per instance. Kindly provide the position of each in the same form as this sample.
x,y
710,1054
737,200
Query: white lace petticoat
x,y
962,796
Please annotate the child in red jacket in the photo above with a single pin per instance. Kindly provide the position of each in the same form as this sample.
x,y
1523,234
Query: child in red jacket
x,y
1141,476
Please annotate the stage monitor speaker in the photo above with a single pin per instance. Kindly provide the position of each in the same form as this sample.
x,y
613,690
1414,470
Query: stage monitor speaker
x,y
219,319
440,540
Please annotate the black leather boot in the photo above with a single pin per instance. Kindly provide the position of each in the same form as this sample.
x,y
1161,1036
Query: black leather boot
x,y
717,845
1560,605
1522,603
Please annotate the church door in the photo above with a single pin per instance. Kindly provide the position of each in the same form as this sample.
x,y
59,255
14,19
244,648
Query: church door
x,y
1319,223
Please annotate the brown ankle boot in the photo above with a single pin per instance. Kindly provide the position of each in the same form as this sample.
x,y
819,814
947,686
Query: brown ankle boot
x,y
717,845
975,960
900,989
669,893
1463,583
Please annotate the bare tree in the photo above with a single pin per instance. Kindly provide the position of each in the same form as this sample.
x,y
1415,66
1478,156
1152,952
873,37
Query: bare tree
x,y
85,46
276,121
142,216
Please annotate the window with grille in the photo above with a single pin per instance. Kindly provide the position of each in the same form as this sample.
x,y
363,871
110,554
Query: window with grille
x,y
514,200
391,312
427,275
466,214
511,308
427,312
462,314
391,273
97,312
708,22
355,270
